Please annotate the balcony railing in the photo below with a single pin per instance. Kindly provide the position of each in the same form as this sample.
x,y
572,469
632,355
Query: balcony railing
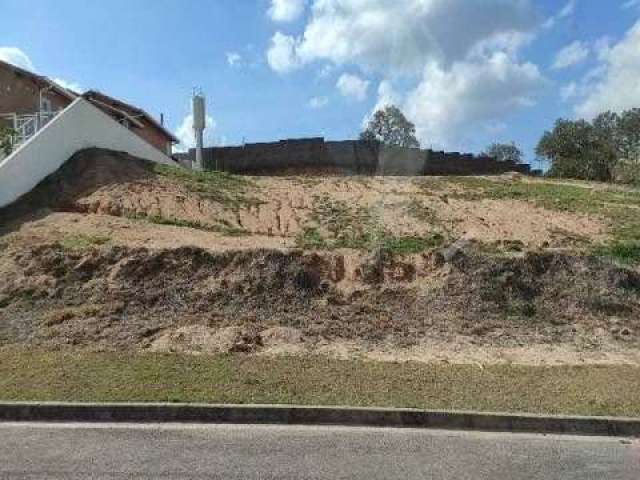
x,y
26,126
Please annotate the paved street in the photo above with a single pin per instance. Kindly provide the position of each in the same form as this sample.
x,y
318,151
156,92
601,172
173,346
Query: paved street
x,y
77,451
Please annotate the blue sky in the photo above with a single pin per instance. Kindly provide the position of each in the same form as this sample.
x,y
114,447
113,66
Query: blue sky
x,y
467,72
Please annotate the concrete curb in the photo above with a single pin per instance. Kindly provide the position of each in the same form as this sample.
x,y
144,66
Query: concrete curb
x,y
300,415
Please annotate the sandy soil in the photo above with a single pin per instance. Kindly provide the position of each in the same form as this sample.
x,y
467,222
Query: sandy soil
x,y
86,263
285,206
277,341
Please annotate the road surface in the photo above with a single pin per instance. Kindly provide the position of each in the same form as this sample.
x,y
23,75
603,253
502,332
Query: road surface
x,y
108,451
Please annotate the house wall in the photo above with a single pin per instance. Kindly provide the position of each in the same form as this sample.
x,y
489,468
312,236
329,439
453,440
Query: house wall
x,y
153,137
20,94
78,127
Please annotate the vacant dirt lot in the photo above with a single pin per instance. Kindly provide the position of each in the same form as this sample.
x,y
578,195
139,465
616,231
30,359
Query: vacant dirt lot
x,y
114,253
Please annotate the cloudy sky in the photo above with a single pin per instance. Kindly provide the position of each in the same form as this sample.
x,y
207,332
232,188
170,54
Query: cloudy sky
x,y
466,72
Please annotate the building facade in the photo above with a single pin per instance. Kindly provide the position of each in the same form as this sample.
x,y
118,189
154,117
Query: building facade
x,y
29,101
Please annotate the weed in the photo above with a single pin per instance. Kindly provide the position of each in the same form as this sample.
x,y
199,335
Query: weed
x,y
57,317
28,296
223,227
219,187
420,211
623,252
619,206
357,228
311,238
80,241
410,245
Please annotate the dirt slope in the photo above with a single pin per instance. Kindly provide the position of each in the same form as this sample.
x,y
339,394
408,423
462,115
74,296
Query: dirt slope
x,y
259,212
112,252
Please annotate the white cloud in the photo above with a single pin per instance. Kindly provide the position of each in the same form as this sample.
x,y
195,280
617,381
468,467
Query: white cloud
x,y
282,56
451,104
571,55
631,4
569,91
387,95
74,86
233,59
17,57
318,102
187,138
326,71
448,84
403,35
566,11
614,84
286,10
352,86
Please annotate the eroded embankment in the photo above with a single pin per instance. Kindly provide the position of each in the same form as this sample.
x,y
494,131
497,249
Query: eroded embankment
x,y
190,299
133,203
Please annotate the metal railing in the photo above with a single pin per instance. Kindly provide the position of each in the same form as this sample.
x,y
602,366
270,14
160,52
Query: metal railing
x,y
26,126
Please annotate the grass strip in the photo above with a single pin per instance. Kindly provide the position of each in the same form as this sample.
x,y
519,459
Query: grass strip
x,y
27,374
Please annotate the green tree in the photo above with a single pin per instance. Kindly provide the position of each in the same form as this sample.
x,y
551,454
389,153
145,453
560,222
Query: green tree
x,y
581,149
628,143
505,152
605,149
6,134
390,127
629,135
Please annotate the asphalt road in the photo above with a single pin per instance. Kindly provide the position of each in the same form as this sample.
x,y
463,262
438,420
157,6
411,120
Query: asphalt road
x,y
80,451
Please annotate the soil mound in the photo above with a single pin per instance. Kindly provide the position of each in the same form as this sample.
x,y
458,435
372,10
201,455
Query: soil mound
x,y
113,297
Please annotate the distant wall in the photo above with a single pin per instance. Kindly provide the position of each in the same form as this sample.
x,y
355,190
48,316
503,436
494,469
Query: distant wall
x,y
350,157
79,126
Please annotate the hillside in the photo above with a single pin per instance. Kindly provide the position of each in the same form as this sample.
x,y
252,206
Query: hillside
x,y
112,252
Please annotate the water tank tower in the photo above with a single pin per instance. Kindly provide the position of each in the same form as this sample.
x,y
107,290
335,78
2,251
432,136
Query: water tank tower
x,y
199,124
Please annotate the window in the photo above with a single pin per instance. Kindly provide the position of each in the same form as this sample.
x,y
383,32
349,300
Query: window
x,y
45,105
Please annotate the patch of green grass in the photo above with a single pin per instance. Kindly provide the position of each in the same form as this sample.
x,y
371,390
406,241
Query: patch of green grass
x,y
410,245
80,241
337,215
337,224
221,187
28,296
222,227
340,225
421,212
31,374
623,252
308,182
312,239
431,185
578,198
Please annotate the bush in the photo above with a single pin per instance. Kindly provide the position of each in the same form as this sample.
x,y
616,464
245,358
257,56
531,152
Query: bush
x,y
6,143
628,173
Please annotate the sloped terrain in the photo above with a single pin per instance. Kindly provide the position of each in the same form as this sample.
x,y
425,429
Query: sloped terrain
x,y
114,253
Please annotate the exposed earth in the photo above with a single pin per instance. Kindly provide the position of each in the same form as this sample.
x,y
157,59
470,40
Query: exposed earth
x,y
114,253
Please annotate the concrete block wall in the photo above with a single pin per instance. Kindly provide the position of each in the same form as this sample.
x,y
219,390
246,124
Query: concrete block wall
x,y
350,157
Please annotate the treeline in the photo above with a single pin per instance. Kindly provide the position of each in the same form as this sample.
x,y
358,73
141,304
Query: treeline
x,y
606,149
